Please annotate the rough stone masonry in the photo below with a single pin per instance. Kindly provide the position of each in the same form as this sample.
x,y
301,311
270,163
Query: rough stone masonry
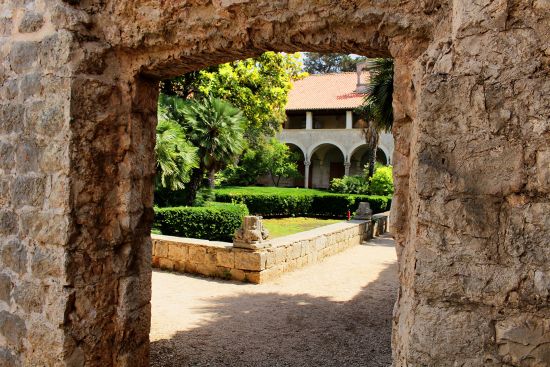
x,y
78,89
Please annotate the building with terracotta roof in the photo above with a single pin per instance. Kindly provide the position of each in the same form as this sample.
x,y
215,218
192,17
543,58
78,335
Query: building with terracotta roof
x,y
323,129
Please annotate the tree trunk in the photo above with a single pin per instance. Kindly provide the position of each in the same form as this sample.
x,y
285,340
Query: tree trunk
x,y
372,162
212,178
193,186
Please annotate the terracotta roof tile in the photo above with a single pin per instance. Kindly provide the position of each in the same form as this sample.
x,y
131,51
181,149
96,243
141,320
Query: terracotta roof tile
x,y
325,91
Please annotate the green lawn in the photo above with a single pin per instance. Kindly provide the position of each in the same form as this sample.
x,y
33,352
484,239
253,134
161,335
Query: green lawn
x,y
279,227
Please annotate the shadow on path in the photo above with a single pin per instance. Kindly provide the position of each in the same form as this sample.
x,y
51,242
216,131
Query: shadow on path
x,y
277,329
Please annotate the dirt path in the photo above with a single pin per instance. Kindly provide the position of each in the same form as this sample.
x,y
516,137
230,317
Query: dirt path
x,y
336,313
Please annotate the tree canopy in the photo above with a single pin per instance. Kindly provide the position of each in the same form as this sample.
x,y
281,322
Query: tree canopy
x,y
258,87
317,63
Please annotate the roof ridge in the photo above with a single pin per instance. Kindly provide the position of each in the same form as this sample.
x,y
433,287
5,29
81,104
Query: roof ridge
x,y
340,73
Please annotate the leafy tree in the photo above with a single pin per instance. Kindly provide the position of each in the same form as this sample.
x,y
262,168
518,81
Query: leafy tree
x,y
258,87
272,158
215,127
381,183
280,161
175,156
377,107
318,63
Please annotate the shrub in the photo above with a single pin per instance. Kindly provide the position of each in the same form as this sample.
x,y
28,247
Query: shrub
x,y
215,222
381,183
300,202
349,185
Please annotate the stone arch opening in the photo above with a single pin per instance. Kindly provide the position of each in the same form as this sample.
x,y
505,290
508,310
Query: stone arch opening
x,y
359,157
79,87
327,162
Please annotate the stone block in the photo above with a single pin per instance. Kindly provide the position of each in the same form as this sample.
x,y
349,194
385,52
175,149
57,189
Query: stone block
x,y
13,328
249,260
207,269
29,297
11,116
280,254
14,256
7,358
6,287
295,250
253,277
47,262
31,22
161,248
320,243
225,258
155,262
197,254
4,192
178,252
179,266
8,222
27,190
210,258
27,156
270,259
238,274
166,264
7,156
524,338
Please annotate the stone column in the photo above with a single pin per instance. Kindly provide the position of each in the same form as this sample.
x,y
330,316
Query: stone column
x,y
347,165
470,212
309,120
306,173
349,120
77,133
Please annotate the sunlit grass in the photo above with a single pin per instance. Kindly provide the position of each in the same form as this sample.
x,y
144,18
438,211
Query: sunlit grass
x,y
279,227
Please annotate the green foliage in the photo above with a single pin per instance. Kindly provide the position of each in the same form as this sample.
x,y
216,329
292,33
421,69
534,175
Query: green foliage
x,y
175,155
215,222
349,185
317,63
279,161
212,125
381,183
377,106
273,157
273,202
259,87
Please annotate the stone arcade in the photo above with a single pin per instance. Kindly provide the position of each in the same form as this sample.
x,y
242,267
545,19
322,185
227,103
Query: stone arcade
x,y
472,165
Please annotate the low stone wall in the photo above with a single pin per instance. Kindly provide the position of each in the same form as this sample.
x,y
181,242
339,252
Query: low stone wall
x,y
221,259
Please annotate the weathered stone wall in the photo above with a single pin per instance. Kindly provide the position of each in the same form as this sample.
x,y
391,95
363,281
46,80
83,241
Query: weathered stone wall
x,y
281,255
472,108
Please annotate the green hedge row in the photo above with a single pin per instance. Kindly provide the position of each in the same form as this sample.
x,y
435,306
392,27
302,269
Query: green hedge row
x,y
214,222
296,204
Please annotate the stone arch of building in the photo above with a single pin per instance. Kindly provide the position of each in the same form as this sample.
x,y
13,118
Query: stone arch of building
x,y
79,85
382,147
325,143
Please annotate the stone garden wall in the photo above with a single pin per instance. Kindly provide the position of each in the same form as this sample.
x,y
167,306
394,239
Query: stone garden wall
x,y
280,255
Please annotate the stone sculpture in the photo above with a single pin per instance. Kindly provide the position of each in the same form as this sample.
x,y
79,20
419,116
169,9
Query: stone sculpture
x,y
251,234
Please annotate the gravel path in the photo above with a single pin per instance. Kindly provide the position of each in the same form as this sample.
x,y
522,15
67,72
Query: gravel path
x,y
336,313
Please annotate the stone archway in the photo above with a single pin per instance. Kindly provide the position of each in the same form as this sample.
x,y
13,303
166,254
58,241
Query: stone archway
x,y
79,88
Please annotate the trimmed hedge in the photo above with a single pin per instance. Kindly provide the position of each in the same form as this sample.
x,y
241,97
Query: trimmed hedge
x,y
313,204
214,222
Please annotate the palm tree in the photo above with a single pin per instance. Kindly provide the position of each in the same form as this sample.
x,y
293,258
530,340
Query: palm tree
x,y
377,107
216,128
176,157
